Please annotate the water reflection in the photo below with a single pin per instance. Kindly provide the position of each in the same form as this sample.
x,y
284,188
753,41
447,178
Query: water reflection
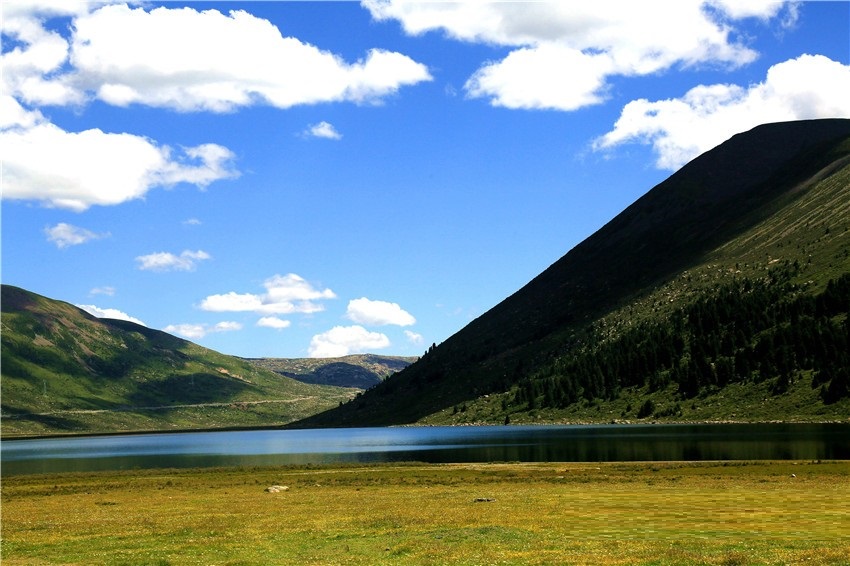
x,y
603,443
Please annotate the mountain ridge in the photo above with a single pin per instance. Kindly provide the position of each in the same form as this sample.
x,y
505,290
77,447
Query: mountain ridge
x,y
675,227
65,371
361,371
762,217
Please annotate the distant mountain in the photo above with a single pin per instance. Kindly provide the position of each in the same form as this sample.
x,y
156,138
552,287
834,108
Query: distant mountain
x,y
642,319
360,371
65,371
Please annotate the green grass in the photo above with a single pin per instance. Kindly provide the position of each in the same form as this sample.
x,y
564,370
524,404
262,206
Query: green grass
x,y
64,372
226,415
661,513
737,402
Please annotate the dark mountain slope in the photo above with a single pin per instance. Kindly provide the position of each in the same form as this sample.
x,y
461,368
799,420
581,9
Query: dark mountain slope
x,y
676,227
65,371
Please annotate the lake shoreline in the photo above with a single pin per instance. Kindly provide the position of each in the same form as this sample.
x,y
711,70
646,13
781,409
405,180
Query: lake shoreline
x,y
288,426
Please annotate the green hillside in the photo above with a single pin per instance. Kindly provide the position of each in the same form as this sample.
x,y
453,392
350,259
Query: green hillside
x,y
65,371
721,294
360,371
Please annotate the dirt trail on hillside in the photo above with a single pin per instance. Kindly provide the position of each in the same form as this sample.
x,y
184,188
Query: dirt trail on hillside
x,y
160,407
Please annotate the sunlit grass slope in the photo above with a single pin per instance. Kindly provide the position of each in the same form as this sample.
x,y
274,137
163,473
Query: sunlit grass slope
x,y
64,371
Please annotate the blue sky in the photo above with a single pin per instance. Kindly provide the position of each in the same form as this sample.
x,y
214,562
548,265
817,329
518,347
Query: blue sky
x,y
294,179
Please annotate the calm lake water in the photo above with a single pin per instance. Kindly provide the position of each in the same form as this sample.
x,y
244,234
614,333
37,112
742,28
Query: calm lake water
x,y
581,443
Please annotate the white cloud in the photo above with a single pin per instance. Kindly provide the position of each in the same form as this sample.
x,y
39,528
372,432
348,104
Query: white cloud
x,y
13,115
762,9
109,313
191,331
284,294
377,313
414,337
808,87
232,302
166,261
108,291
93,167
566,51
226,326
343,340
324,130
217,62
198,331
64,235
273,322
85,168
201,60
530,78
31,69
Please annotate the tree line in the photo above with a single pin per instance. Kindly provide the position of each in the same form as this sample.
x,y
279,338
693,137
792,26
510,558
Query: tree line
x,y
748,330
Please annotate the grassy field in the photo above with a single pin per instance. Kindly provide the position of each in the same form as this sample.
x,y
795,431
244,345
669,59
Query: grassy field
x,y
643,513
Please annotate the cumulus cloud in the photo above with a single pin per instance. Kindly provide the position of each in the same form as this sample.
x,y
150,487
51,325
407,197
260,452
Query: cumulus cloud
x,y
284,294
273,322
414,337
565,52
530,78
110,313
191,331
324,130
344,340
86,168
378,313
207,60
232,302
31,67
93,167
198,331
13,115
201,60
166,261
65,235
762,9
808,87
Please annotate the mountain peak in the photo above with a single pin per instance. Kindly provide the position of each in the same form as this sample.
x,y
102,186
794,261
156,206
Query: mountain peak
x,y
742,187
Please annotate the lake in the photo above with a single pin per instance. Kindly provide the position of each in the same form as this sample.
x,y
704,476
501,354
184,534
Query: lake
x,y
574,443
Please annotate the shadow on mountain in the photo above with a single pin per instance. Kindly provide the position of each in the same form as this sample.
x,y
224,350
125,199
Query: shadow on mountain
x,y
675,226
50,422
340,374
157,338
189,389
15,298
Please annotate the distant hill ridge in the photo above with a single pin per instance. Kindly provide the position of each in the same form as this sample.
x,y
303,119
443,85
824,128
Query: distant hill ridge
x,y
774,197
65,371
361,371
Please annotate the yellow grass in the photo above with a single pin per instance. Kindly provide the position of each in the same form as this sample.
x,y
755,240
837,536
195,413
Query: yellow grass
x,y
709,513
